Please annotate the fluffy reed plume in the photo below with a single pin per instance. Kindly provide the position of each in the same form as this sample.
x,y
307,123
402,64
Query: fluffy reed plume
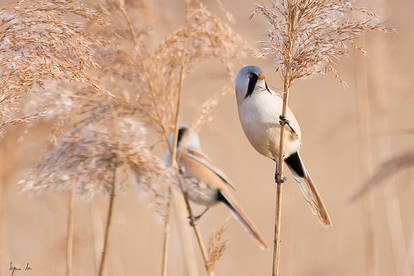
x,y
207,108
203,37
307,37
216,246
88,155
99,132
41,41
385,171
86,159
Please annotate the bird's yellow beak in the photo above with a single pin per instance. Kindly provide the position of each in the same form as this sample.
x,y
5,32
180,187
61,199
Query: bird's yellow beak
x,y
261,77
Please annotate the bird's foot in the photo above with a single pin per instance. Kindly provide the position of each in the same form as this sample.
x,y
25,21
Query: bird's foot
x,y
279,180
283,120
192,222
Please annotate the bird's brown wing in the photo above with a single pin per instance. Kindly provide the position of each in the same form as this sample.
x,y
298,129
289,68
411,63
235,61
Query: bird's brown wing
x,y
204,161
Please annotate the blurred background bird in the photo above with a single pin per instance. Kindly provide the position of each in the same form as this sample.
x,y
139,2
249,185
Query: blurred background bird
x,y
204,183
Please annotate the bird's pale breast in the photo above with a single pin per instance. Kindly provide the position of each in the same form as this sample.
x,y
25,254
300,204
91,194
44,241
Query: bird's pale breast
x,y
259,116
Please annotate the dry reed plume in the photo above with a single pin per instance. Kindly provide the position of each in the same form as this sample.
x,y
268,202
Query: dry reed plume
x,y
307,37
216,246
40,42
88,155
96,132
107,81
203,37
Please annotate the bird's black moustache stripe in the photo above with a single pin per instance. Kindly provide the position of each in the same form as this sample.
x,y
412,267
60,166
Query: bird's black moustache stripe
x,y
252,84
267,88
181,133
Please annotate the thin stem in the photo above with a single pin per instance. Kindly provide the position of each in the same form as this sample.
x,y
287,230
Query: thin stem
x,y
365,153
121,7
409,259
69,239
177,112
174,164
173,161
378,84
166,236
278,217
145,71
198,236
108,226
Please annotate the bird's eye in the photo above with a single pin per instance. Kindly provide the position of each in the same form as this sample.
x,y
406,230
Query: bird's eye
x,y
251,75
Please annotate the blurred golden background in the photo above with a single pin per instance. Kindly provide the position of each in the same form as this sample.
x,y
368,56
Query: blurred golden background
x,y
33,228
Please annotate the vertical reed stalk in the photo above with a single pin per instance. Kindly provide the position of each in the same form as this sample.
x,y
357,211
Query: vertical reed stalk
x,y
188,251
378,83
3,181
280,176
69,238
174,163
364,130
173,159
276,242
95,218
166,236
409,259
108,226
278,218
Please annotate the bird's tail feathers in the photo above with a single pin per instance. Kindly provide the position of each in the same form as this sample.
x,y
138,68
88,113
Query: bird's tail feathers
x,y
242,217
312,197
309,191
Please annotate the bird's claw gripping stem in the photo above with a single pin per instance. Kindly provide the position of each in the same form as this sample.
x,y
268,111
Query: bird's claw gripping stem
x,y
283,120
279,180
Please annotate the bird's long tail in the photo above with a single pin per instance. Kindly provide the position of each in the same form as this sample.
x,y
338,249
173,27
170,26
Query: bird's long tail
x,y
308,189
242,217
314,200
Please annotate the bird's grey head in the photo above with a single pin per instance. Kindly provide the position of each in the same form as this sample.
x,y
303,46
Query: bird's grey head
x,y
247,79
191,139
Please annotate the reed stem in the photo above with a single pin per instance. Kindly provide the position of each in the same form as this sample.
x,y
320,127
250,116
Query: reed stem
x,y
280,175
174,163
70,227
280,170
108,226
365,153
166,236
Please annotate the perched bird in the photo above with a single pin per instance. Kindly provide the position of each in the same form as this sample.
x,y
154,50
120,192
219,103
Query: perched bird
x,y
204,183
260,114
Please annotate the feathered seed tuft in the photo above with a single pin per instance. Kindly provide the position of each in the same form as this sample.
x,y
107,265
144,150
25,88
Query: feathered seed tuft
x,y
307,37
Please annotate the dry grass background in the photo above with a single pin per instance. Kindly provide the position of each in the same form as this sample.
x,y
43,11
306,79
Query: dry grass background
x,y
33,228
